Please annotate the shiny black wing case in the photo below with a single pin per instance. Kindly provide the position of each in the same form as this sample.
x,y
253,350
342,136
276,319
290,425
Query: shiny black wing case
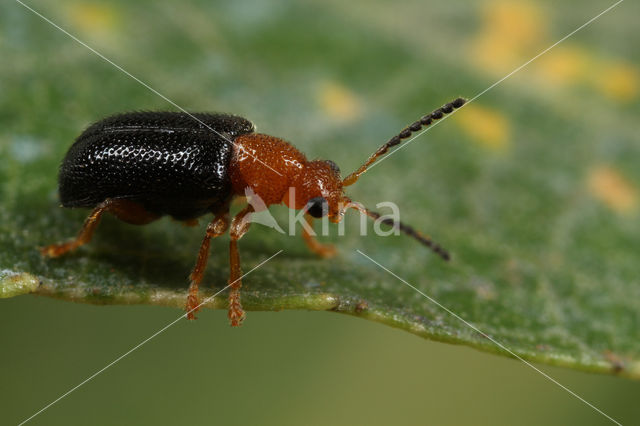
x,y
167,161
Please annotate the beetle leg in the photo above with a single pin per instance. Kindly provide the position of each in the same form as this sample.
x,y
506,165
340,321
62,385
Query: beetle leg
x,y
84,236
125,210
322,250
216,227
239,227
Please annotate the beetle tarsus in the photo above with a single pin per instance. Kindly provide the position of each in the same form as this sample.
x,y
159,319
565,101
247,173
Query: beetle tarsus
x,y
57,250
193,301
236,314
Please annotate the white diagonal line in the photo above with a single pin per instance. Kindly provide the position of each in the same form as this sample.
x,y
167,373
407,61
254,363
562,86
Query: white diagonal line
x,y
145,85
404,145
500,345
143,342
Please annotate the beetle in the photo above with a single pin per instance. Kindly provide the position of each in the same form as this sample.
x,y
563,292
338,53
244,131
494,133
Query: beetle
x,y
140,166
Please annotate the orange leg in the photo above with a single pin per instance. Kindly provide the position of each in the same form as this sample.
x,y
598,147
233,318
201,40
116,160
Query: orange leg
x,y
125,210
217,227
239,227
322,250
84,236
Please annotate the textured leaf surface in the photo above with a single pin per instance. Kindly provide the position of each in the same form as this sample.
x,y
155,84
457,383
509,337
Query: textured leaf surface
x,y
534,187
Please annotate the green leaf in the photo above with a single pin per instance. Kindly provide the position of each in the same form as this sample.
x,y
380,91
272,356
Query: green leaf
x,y
533,187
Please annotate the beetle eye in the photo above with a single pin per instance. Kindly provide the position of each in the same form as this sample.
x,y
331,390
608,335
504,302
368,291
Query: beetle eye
x,y
317,207
333,166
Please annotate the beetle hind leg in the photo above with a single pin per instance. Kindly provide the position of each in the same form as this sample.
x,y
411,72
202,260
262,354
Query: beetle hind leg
x,y
217,227
125,210
83,237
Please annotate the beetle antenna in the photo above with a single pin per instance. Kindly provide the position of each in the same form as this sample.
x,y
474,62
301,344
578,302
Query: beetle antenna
x,y
405,229
404,134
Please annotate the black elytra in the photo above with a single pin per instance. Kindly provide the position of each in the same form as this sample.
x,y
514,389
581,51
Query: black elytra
x,y
166,161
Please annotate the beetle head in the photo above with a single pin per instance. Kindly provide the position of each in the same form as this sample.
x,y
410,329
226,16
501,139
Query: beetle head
x,y
318,189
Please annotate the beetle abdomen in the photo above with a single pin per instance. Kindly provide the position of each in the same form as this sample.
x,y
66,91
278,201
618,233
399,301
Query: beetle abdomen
x,y
168,162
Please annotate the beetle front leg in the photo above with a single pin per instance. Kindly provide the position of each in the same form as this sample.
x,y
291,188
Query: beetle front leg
x,y
322,250
216,227
239,227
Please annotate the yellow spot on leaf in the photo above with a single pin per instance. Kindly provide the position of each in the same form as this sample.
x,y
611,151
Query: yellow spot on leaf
x,y
522,21
564,65
618,81
510,32
513,32
486,126
611,188
93,18
338,102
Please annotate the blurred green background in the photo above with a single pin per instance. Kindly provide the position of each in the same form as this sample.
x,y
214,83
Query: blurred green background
x,y
337,79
